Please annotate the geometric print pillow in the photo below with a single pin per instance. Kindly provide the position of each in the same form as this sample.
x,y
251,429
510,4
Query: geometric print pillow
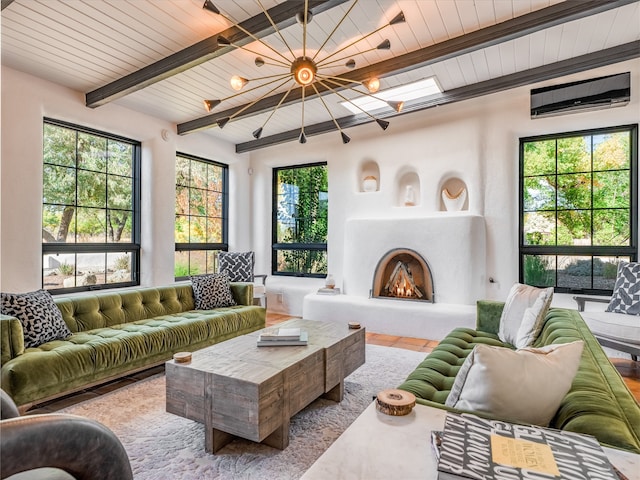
x,y
238,265
212,291
626,292
40,317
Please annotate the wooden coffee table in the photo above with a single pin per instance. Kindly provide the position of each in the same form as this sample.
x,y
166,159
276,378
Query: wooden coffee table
x,y
239,389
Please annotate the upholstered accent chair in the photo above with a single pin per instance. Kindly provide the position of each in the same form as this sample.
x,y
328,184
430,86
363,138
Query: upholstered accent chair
x,y
58,447
617,327
239,266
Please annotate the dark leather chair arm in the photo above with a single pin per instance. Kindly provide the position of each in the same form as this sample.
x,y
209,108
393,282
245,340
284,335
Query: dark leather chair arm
x,y
8,409
81,447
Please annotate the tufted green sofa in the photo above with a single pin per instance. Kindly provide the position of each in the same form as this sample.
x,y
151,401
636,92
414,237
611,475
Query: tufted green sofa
x,y
115,334
599,402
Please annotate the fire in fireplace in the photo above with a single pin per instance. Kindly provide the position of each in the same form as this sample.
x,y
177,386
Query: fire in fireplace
x,y
403,274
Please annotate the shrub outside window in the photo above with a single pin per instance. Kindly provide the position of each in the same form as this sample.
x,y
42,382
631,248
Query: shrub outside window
x,y
578,208
90,209
201,215
300,220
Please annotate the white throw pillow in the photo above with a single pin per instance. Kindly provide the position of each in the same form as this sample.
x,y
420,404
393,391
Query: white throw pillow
x,y
533,320
519,299
525,386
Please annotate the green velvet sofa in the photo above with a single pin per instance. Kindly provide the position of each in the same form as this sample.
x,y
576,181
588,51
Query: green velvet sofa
x,y
599,402
115,334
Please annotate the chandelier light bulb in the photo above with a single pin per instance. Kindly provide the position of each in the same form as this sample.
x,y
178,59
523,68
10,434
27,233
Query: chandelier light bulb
x,y
237,82
304,70
373,85
304,76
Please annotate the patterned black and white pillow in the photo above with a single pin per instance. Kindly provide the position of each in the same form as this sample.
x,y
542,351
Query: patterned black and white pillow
x,y
239,265
40,317
212,291
626,292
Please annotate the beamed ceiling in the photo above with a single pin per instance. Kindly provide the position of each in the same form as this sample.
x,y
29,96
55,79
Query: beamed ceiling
x,y
162,57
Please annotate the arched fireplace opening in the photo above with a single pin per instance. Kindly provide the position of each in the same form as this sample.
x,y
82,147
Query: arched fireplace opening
x,y
403,274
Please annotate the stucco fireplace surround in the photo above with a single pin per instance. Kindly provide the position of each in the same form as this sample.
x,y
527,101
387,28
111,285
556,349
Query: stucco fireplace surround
x,y
453,244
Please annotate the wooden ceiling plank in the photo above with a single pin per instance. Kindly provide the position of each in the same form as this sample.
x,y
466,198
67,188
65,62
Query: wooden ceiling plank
x,y
483,38
562,68
282,14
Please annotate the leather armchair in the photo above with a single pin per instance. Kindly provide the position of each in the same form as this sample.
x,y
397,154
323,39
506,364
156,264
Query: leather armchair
x,y
58,446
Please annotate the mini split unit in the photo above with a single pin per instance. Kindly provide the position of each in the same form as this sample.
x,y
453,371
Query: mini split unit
x,y
594,94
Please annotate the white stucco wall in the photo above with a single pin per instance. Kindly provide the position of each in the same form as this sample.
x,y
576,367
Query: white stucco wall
x,y
25,101
475,140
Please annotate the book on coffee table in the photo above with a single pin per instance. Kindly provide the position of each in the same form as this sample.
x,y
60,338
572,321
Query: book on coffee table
x,y
280,334
480,449
301,340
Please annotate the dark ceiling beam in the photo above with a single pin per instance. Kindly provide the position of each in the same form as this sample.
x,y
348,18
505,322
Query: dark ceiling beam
x,y
283,15
5,4
621,53
517,27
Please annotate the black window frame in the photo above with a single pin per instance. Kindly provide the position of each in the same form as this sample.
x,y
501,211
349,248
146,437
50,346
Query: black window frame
x,y
133,248
593,251
203,246
275,246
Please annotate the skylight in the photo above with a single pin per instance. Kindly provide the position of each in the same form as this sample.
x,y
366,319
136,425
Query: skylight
x,y
410,91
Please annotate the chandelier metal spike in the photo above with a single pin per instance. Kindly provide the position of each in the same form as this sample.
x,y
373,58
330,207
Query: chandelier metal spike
x,y
211,104
345,138
396,105
383,123
266,12
344,17
227,43
386,45
249,105
258,132
208,5
303,70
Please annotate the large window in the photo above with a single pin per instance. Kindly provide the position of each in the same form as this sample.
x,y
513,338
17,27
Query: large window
x,y
90,209
578,208
300,207
201,215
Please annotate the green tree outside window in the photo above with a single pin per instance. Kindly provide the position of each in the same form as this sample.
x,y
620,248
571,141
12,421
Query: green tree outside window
x,y
578,208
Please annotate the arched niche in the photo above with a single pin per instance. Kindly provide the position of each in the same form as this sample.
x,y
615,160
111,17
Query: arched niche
x,y
454,195
367,173
408,189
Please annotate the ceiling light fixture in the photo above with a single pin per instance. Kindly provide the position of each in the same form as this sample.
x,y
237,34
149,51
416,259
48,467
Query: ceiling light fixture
x,y
304,70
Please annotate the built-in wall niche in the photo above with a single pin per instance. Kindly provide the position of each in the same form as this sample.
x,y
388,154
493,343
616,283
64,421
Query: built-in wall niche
x,y
454,195
369,176
408,189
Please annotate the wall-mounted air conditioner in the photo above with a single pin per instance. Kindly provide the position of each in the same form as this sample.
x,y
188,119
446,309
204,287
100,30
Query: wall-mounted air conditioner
x,y
594,94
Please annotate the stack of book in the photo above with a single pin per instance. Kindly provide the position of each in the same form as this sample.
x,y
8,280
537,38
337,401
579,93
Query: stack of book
x,y
474,448
328,291
281,337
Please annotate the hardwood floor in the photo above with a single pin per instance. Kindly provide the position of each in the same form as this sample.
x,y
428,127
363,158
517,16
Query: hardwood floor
x,y
628,369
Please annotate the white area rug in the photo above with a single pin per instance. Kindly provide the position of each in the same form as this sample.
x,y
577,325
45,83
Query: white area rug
x,y
164,446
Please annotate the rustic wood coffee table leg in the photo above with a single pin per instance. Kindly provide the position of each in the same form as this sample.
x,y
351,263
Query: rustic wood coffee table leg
x,y
336,394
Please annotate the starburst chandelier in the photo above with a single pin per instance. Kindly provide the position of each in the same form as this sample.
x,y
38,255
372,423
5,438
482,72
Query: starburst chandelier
x,y
305,71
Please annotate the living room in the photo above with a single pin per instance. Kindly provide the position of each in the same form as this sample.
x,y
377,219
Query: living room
x,y
470,141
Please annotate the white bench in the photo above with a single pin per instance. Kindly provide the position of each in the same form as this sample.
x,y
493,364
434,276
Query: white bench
x,y
613,330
